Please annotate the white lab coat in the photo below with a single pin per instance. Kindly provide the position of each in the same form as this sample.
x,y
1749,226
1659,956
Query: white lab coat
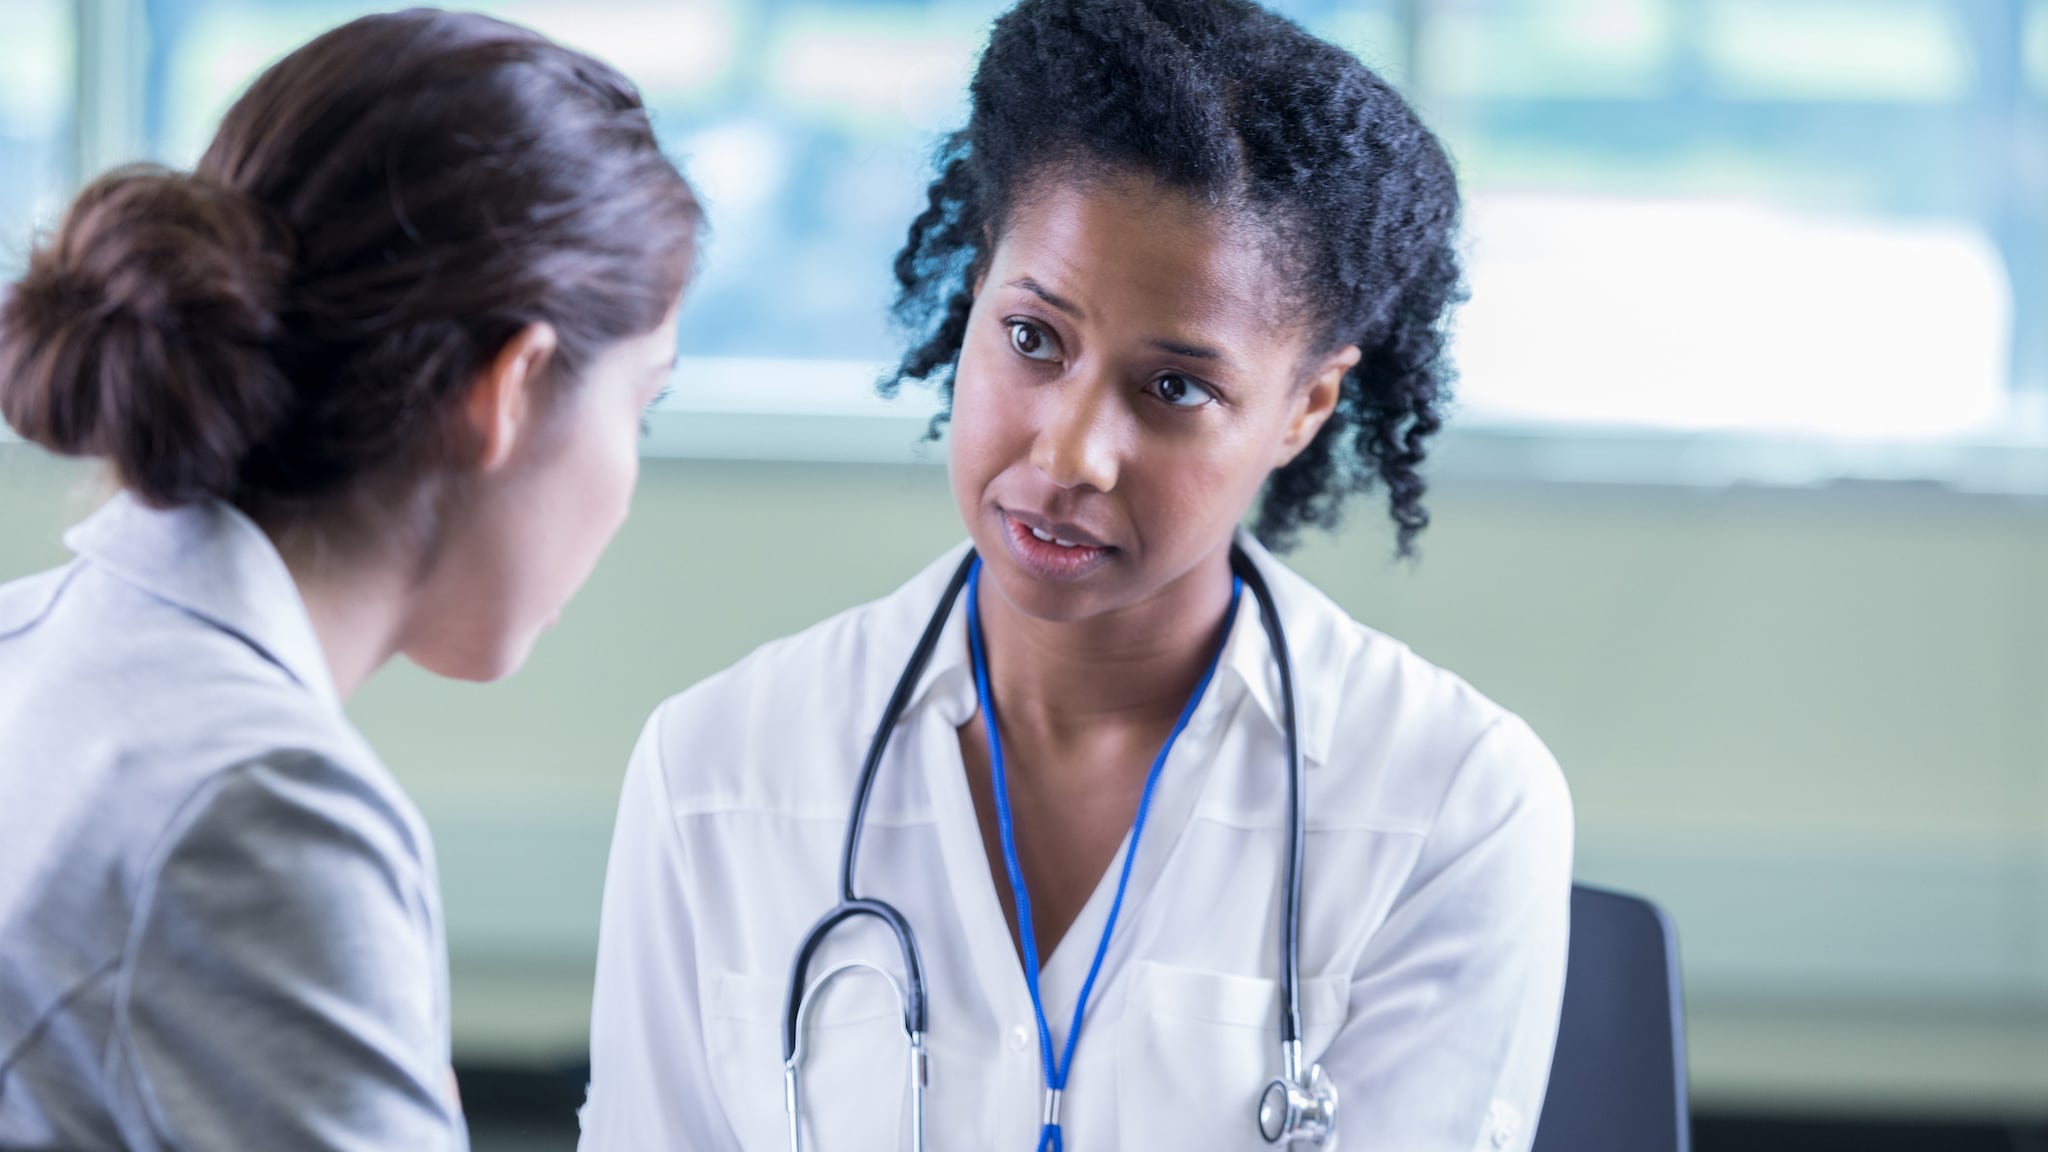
x,y
1433,932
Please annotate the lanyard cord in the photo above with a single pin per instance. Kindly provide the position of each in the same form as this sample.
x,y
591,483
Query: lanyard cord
x,y
1049,1136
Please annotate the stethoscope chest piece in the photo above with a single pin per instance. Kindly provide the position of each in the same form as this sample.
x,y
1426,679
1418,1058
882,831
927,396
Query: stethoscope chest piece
x,y
1299,1111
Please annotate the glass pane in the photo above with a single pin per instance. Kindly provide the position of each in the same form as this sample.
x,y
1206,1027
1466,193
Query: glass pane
x,y
1795,215
36,83
203,53
807,126
1581,48
1792,215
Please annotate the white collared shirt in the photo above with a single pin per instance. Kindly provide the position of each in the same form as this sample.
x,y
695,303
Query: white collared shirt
x,y
220,926
1433,930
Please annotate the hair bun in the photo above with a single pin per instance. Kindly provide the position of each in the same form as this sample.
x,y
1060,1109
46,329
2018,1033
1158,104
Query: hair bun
x,y
142,332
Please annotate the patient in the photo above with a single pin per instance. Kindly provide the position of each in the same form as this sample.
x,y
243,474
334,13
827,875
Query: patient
x,y
370,381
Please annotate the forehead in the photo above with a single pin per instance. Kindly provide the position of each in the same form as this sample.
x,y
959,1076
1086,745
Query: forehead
x,y
1130,252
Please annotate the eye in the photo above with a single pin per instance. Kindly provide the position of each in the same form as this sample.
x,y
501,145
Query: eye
x,y
1182,391
646,425
1031,341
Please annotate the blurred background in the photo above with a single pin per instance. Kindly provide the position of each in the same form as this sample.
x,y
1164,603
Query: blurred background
x,y
1742,506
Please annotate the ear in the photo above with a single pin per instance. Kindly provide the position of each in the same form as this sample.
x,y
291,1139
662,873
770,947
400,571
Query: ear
x,y
1314,403
501,405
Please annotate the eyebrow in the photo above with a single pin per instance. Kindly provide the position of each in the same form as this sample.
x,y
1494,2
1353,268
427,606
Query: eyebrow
x,y
1170,347
1043,293
1191,351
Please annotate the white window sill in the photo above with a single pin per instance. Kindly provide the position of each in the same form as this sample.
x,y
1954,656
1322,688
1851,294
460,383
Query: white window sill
x,y
828,412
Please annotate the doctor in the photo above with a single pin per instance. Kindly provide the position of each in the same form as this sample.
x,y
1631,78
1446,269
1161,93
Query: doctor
x,y
1184,260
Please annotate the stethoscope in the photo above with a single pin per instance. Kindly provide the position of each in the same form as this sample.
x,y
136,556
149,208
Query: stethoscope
x,y
1298,1106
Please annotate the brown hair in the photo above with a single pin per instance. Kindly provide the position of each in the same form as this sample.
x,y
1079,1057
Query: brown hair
x,y
381,212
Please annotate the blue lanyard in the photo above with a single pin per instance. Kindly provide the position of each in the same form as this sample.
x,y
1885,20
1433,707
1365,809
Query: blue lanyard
x,y
1049,1138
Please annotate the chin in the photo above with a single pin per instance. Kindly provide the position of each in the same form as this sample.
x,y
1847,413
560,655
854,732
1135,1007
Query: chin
x,y
1053,601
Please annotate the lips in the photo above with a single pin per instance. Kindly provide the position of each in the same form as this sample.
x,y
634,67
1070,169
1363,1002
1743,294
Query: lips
x,y
1055,531
1052,550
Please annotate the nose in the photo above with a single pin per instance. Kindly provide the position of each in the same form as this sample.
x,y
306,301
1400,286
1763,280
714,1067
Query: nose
x,y
1077,443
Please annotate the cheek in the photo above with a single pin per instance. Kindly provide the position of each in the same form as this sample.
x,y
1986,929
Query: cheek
x,y
609,470
1185,494
523,549
1198,491
617,467
988,431
589,489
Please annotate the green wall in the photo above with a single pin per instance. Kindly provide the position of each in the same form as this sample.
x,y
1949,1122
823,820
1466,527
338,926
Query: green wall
x,y
1810,722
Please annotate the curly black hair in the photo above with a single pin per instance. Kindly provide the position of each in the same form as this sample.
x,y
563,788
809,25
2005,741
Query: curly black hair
x,y
1235,104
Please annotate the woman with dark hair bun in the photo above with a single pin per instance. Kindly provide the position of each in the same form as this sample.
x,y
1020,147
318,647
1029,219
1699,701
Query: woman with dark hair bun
x,y
370,380
1164,849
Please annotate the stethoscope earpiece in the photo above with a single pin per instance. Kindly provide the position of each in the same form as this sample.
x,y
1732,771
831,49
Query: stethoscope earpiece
x,y
1295,1112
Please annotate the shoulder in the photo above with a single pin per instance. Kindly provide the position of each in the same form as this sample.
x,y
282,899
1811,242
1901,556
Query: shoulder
x,y
289,858
269,763
159,715
806,703
168,683
25,602
292,853
285,928
283,840
1397,740
302,814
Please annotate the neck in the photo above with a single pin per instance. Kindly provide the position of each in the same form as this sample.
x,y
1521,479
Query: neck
x,y
1134,666
358,601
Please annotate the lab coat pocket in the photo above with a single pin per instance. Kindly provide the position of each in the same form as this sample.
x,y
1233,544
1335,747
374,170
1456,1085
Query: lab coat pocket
x,y
1196,1049
855,1087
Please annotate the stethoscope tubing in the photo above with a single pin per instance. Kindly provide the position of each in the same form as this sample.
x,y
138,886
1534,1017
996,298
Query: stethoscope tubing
x,y
878,744
1297,823
850,904
912,990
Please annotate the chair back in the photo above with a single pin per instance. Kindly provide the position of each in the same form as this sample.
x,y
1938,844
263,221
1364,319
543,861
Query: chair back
x,y
1618,1078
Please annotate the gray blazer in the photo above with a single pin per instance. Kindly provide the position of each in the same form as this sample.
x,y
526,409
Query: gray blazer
x,y
220,926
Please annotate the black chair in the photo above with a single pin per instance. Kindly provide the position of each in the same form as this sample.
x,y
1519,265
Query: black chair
x,y
1617,1082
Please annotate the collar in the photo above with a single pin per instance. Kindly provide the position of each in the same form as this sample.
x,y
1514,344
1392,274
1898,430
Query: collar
x,y
1320,650
948,680
1320,646
211,560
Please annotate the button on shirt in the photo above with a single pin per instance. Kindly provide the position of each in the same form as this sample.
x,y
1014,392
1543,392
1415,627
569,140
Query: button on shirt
x,y
1433,931
219,920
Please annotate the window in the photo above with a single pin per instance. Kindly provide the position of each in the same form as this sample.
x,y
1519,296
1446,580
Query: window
x,y
1787,216
36,83
1812,220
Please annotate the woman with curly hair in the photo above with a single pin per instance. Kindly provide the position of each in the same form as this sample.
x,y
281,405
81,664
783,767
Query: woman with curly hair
x,y
1183,260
